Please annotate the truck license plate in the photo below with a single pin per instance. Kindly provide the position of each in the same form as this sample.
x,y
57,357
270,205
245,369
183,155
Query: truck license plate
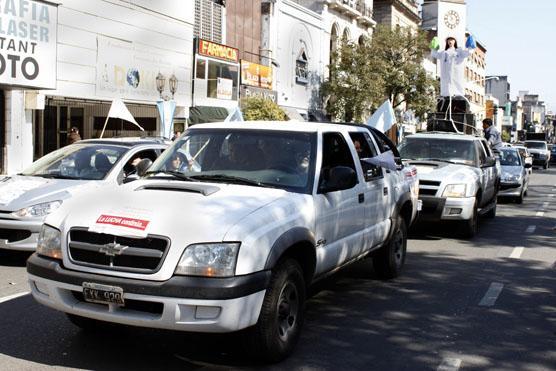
x,y
104,294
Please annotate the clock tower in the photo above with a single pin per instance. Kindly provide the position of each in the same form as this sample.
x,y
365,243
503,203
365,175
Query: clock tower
x,y
447,17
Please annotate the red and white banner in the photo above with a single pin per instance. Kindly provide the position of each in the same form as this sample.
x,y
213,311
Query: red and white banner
x,y
123,222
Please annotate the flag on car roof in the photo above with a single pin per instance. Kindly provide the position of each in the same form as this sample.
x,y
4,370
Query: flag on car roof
x,y
384,118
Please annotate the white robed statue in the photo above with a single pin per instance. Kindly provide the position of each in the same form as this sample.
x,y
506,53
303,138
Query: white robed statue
x,y
452,63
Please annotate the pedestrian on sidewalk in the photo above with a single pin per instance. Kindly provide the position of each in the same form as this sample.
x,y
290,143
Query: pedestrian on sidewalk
x,y
73,135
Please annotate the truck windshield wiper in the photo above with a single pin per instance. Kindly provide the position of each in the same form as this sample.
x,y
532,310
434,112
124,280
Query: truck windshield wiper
x,y
175,174
55,176
437,159
231,179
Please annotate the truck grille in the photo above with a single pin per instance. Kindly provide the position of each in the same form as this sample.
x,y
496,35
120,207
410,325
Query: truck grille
x,y
428,187
106,251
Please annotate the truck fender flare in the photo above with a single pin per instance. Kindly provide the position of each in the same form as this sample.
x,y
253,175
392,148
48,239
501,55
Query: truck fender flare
x,y
406,197
285,241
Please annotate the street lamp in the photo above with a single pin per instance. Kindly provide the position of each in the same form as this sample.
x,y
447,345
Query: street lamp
x,y
160,82
173,84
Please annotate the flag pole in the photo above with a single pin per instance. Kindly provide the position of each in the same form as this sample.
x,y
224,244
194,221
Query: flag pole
x,y
104,127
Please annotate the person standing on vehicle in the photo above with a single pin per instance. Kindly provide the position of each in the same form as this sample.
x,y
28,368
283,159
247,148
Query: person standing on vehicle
x,y
73,135
492,135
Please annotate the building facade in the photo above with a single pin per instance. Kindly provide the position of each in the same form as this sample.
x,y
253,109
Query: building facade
x,y
102,50
499,87
393,13
475,74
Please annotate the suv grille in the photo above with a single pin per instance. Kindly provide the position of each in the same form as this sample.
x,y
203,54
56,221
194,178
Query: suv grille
x,y
106,251
428,187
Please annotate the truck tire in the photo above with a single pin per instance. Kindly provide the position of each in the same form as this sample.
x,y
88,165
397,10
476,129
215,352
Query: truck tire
x,y
389,260
277,331
491,214
471,227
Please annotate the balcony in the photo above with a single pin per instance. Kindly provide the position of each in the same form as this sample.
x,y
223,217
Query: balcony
x,y
366,11
346,7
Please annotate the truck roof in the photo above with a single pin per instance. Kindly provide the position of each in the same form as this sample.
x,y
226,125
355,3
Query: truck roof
x,y
444,135
292,125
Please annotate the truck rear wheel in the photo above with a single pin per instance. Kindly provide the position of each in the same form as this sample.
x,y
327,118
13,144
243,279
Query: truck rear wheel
x,y
389,260
279,326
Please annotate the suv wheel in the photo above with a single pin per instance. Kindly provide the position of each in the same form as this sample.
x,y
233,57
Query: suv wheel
x,y
389,260
471,226
277,330
492,212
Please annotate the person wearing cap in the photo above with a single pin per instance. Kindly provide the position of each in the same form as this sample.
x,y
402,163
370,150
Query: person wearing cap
x,y
492,135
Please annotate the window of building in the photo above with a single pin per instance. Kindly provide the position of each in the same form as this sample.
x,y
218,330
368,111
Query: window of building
x,y
221,70
301,68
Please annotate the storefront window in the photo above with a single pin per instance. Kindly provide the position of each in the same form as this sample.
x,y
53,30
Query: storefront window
x,y
223,71
200,68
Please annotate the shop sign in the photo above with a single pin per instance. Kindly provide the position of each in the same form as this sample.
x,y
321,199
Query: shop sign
x,y
214,50
251,91
28,41
128,70
257,75
224,88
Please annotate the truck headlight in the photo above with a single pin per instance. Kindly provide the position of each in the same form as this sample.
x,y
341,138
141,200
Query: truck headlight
x,y
455,190
209,260
50,242
38,210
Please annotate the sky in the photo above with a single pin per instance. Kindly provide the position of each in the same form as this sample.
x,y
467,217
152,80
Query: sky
x,y
520,40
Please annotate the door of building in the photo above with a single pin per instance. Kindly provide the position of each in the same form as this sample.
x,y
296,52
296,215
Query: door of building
x,y
58,120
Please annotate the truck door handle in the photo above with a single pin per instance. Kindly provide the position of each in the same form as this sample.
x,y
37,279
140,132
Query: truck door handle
x,y
361,197
385,191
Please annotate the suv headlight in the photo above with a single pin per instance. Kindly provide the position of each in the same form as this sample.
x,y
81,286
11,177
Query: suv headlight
x,y
38,210
209,260
50,242
455,190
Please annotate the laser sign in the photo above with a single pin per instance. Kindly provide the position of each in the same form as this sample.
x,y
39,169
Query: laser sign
x,y
28,41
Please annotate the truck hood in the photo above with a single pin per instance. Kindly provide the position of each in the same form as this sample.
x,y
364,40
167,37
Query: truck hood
x,y
539,151
511,170
186,211
19,191
445,172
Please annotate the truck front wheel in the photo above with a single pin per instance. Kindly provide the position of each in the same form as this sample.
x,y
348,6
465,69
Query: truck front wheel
x,y
389,260
277,330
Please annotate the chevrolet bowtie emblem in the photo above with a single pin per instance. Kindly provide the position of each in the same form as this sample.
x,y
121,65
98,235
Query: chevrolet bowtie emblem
x,y
113,249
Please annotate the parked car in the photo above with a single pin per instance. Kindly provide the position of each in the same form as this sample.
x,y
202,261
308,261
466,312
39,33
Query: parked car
x,y
526,157
232,239
539,151
515,177
552,149
458,177
27,198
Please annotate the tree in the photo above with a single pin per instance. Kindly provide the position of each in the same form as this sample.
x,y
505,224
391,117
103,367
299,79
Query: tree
x,y
362,76
401,52
506,137
262,109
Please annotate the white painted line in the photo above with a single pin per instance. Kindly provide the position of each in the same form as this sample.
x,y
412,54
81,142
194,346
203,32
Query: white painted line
x,y
545,205
531,229
539,213
551,195
14,296
491,295
450,364
516,253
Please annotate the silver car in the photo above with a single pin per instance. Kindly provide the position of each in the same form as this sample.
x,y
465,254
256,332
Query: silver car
x,y
27,198
515,175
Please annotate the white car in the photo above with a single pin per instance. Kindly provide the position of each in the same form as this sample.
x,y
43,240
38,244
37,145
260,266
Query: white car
x,y
27,198
231,238
540,152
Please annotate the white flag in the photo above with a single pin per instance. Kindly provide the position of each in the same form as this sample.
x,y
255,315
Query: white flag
x,y
234,115
120,111
384,118
385,160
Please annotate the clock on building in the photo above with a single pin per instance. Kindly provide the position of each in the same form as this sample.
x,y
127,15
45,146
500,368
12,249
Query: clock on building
x,y
451,19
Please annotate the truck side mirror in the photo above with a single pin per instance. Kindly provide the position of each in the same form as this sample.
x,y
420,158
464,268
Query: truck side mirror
x,y
143,166
339,178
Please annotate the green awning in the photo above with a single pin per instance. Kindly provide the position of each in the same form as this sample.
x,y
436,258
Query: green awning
x,y
202,114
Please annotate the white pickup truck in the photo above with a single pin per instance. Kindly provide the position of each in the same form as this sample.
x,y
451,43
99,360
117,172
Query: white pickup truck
x,y
227,230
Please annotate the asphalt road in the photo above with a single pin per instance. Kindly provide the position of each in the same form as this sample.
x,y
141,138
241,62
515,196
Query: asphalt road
x,y
488,303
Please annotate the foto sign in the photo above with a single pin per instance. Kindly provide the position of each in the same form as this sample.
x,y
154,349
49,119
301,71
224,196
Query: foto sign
x,y
28,43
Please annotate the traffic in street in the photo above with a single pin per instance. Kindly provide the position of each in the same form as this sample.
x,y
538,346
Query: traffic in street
x,y
486,303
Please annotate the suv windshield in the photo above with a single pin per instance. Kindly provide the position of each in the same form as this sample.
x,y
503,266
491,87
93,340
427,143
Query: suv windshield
x,y
535,145
277,159
457,151
509,157
77,161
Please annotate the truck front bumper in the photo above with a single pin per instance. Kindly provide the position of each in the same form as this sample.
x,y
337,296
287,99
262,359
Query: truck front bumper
x,y
510,189
21,235
440,208
197,304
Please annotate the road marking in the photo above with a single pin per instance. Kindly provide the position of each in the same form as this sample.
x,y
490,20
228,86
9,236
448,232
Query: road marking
x,y
13,296
450,364
545,205
539,213
516,253
491,295
551,195
531,229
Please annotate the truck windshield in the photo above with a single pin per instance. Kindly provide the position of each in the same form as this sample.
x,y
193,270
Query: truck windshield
x,y
509,157
456,151
277,159
535,145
